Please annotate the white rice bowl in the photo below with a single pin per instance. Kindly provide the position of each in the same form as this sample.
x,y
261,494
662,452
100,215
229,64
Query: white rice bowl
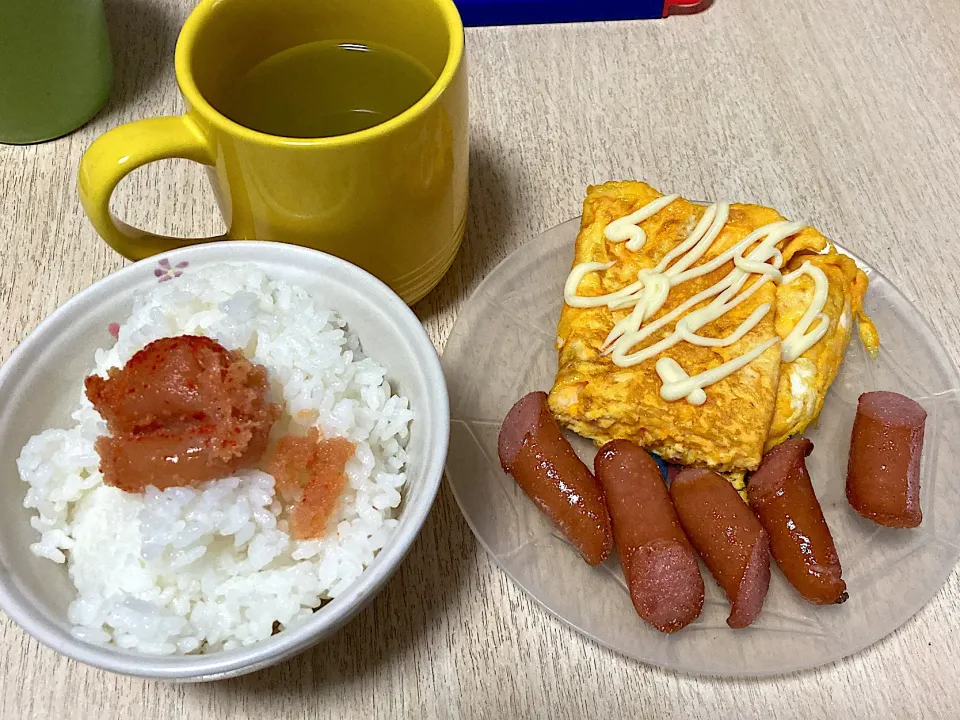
x,y
212,568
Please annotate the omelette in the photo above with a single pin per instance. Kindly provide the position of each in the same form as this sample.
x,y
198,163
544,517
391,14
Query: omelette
x,y
805,381
679,319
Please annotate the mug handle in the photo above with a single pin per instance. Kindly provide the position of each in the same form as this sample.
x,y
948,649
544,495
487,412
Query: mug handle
x,y
120,151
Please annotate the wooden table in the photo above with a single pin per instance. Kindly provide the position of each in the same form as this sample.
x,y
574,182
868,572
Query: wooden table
x,y
842,113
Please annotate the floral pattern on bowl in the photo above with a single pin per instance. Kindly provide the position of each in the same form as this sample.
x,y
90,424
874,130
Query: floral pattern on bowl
x,y
165,271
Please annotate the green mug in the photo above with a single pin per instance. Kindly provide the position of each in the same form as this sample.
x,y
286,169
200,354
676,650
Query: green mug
x,y
55,67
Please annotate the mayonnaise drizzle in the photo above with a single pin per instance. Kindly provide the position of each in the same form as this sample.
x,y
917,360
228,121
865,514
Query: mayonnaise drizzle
x,y
574,279
671,373
652,288
628,228
799,340
725,294
683,388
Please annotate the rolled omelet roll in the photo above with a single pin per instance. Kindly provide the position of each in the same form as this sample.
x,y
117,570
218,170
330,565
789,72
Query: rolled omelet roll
x,y
804,383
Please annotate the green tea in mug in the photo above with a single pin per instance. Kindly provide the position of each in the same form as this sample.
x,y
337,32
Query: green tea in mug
x,y
326,88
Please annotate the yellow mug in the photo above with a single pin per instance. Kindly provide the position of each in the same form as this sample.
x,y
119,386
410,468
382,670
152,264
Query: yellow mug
x,y
391,199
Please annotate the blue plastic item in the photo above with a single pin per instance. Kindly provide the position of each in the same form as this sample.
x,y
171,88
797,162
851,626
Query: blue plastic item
x,y
661,464
525,12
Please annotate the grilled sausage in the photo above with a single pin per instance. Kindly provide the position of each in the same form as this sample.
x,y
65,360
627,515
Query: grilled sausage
x,y
883,471
783,499
659,564
541,460
729,538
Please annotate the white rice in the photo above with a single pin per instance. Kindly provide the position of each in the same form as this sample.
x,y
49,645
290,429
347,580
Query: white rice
x,y
214,568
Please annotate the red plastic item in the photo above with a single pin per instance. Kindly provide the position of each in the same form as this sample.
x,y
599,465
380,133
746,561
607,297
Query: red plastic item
x,y
685,7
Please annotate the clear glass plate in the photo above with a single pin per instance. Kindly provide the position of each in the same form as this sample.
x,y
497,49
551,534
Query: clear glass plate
x,y
502,347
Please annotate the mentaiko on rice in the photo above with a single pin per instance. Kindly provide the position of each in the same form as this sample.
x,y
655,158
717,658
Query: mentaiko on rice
x,y
215,565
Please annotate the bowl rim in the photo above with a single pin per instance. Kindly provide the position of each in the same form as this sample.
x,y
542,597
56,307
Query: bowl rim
x,y
339,611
